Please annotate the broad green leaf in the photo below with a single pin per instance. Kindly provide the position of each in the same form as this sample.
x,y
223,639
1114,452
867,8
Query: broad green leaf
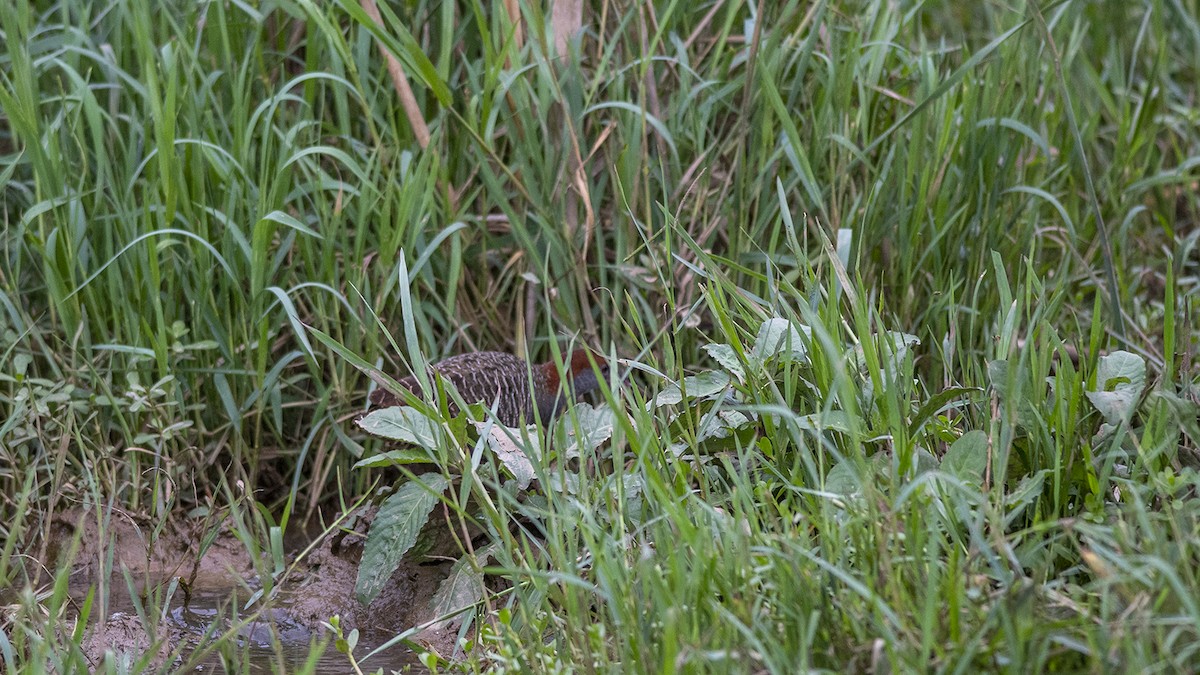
x,y
1005,389
779,337
672,395
21,365
721,424
925,461
894,347
394,531
967,458
1120,378
901,343
834,420
704,385
724,355
634,489
505,445
842,479
401,423
595,427
562,482
462,589
393,458
997,371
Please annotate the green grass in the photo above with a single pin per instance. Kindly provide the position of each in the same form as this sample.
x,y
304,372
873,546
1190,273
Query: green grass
x,y
185,191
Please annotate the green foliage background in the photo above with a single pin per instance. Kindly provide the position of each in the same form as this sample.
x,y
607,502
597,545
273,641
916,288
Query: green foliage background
x,y
184,188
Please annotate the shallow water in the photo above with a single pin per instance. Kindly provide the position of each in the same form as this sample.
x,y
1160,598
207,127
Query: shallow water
x,y
274,642
214,628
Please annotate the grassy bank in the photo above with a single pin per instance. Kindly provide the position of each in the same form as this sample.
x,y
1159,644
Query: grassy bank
x,y
978,451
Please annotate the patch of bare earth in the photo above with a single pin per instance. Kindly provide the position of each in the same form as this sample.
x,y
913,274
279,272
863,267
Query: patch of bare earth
x,y
320,586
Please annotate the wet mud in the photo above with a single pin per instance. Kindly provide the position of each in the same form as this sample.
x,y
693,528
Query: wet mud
x,y
206,585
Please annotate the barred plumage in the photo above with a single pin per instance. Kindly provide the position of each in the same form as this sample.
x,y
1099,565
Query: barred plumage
x,y
488,377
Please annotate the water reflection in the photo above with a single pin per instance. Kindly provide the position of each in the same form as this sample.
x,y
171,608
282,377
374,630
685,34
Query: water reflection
x,y
212,634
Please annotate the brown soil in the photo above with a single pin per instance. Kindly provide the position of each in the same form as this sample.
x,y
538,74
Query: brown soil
x,y
320,586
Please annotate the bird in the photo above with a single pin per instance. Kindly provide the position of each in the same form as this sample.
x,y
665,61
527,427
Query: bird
x,y
508,381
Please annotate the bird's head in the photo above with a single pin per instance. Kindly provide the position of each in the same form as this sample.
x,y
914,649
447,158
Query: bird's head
x,y
579,371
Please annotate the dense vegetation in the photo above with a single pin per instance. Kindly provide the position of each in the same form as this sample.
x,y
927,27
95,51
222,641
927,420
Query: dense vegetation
x,y
931,267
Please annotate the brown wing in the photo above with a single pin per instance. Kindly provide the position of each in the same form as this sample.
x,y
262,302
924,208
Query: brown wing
x,y
480,377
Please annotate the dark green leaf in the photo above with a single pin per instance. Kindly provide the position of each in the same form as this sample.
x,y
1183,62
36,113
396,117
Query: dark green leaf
x,y
1120,378
967,458
401,423
462,589
394,531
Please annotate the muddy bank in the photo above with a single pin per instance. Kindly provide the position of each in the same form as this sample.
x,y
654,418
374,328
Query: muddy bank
x,y
205,577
